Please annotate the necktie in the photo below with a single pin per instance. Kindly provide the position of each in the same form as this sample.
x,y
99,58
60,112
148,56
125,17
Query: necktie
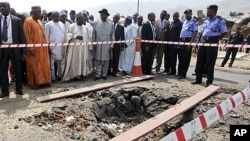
x,y
161,25
5,30
153,29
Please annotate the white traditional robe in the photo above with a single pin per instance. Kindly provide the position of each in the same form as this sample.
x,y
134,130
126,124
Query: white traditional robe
x,y
76,63
91,55
66,26
55,33
127,56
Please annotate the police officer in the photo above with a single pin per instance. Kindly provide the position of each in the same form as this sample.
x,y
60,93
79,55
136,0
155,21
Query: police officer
x,y
188,34
214,29
236,38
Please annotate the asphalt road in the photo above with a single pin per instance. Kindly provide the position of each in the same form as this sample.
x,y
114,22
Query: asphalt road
x,y
226,76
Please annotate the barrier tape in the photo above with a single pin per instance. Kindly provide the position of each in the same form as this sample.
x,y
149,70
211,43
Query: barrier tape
x,y
124,41
189,130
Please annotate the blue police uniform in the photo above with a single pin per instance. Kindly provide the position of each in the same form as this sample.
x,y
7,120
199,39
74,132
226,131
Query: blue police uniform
x,y
212,29
189,27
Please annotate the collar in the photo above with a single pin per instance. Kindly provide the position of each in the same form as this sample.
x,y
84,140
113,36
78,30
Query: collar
x,y
213,18
150,22
8,17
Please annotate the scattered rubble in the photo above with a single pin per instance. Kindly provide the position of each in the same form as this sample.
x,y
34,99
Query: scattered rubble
x,y
106,112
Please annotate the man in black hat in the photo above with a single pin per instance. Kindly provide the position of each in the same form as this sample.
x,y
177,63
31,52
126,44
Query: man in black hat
x,y
214,29
103,31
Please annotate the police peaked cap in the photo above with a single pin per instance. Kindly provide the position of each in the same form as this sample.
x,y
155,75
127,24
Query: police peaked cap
x,y
213,7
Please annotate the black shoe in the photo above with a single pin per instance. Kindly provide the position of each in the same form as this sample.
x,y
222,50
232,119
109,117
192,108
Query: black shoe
x,y
221,65
96,78
58,78
104,77
181,77
230,66
196,82
4,94
207,84
124,73
19,92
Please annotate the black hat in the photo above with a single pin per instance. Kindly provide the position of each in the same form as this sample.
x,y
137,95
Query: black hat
x,y
49,14
213,7
187,11
72,12
105,11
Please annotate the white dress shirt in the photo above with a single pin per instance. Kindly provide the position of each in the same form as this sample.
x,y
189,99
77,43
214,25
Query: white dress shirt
x,y
9,41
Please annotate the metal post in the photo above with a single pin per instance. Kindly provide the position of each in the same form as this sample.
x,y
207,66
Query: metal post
x,y
138,6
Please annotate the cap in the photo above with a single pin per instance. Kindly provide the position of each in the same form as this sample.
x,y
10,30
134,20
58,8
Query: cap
x,y
213,7
129,17
79,14
187,11
62,12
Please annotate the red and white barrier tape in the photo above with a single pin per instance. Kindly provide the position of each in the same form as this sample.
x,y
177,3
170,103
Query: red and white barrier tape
x,y
124,41
189,130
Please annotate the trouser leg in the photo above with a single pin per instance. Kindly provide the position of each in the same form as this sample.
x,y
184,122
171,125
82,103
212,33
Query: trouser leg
x,y
52,68
211,56
98,68
228,52
201,58
234,53
59,69
105,68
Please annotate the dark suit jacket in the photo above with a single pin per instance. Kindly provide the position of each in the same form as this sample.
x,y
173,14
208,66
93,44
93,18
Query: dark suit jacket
x,y
119,34
147,34
18,36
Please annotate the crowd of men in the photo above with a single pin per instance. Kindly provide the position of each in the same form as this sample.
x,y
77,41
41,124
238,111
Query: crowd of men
x,y
42,66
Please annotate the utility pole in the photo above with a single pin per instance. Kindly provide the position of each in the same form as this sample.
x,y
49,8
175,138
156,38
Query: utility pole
x,y
138,6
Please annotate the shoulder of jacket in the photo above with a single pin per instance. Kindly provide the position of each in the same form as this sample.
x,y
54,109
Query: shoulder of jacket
x,y
220,18
194,20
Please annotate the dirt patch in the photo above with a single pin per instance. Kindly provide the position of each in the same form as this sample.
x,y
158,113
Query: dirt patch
x,y
104,114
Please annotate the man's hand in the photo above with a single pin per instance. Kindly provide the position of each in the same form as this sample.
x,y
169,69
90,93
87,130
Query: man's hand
x,y
79,37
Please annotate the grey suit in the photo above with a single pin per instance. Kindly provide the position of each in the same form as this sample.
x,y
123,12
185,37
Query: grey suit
x,y
13,54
